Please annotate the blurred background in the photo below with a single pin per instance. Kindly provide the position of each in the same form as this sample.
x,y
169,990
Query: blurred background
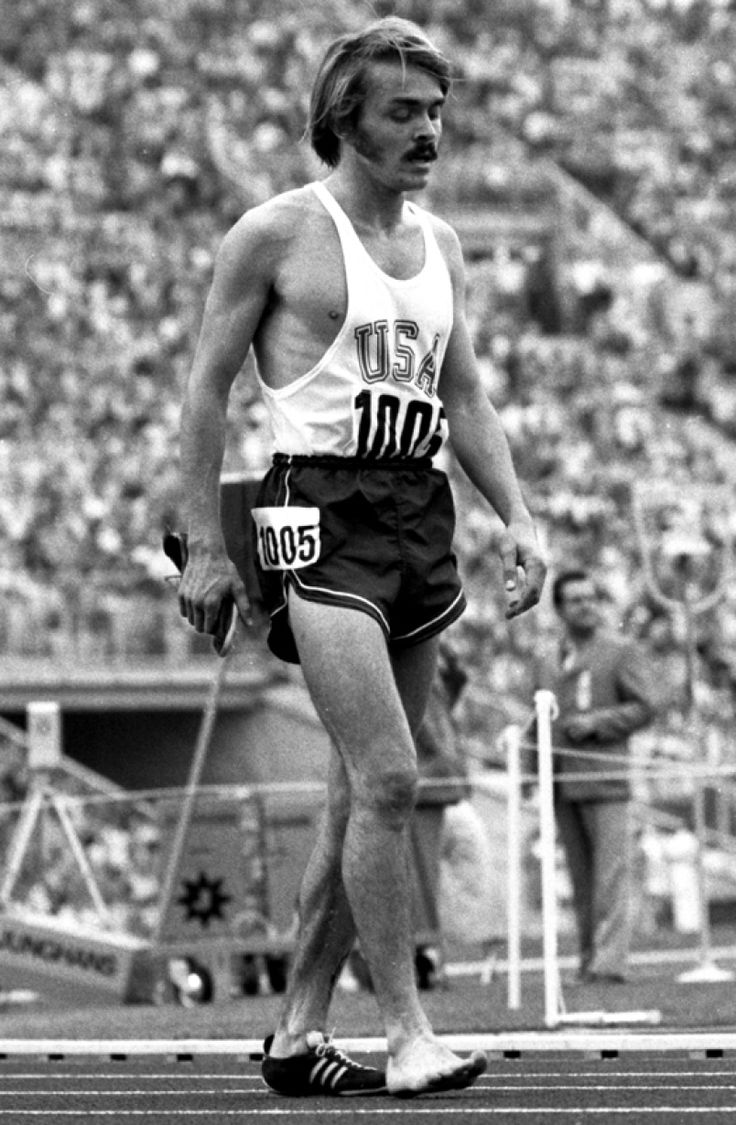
x,y
589,166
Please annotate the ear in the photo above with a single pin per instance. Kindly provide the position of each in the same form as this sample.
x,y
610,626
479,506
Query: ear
x,y
344,130
345,125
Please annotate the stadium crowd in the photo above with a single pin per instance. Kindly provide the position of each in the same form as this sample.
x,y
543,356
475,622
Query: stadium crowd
x,y
134,134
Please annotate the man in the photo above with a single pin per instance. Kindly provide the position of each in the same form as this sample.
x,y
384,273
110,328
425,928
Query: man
x,y
352,299
604,693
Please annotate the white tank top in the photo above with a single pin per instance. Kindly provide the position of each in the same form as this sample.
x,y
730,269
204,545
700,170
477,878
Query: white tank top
x,y
374,393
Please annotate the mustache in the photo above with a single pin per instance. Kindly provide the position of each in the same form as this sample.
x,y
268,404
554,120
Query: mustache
x,y
427,151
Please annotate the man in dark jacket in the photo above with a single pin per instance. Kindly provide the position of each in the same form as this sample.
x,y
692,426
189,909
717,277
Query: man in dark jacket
x,y
604,691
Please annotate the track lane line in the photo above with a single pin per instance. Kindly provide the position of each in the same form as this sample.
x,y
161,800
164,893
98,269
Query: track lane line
x,y
435,1111
501,1042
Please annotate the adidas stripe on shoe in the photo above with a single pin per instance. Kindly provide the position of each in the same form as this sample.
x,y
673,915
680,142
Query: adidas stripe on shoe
x,y
323,1070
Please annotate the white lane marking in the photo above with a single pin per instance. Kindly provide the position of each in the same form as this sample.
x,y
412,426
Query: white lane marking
x,y
434,1111
66,1092
503,1083
136,1076
214,1076
623,1087
652,1042
496,1088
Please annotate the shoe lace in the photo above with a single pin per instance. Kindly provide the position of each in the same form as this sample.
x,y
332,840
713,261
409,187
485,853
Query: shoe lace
x,y
327,1050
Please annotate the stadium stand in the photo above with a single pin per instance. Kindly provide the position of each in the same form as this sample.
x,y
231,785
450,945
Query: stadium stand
x,y
590,171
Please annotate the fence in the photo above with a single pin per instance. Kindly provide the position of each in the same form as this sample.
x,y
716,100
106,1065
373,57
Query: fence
x,y
83,858
688,858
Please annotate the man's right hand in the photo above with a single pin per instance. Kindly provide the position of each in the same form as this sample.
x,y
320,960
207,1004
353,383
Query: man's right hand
x,y
580,728
209,587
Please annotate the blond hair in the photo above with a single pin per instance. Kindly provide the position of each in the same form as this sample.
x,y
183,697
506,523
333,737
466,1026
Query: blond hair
x,y
340,86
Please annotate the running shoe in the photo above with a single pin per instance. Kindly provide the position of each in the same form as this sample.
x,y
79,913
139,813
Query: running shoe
x,y
324,1069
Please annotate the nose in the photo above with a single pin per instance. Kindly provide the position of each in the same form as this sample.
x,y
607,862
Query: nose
x,y
428,127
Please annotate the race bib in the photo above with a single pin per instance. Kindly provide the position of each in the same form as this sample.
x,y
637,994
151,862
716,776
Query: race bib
x,y
287,538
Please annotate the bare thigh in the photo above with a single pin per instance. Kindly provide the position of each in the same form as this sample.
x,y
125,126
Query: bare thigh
x,y
414,670
369,704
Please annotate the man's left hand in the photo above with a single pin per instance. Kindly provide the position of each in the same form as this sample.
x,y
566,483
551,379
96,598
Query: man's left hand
x,y
524,567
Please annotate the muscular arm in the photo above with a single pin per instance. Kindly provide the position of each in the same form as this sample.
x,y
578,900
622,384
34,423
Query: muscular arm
x,y
482,449
234,308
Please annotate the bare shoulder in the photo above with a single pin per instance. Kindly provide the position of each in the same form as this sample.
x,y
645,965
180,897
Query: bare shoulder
x,y
264,235
448,242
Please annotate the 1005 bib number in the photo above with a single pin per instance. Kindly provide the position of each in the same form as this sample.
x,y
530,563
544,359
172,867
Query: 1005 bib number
x,y
287,538
388,426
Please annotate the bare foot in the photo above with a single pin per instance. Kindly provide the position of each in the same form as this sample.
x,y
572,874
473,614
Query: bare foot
x,y
427,1066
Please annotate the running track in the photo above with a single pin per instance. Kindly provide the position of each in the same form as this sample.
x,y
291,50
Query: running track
x,y
576,1087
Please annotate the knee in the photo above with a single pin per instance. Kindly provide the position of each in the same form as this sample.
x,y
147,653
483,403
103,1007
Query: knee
x,y
391,793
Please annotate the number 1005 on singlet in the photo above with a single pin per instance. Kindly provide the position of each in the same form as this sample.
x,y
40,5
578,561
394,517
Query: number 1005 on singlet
x,y
389,426
287,538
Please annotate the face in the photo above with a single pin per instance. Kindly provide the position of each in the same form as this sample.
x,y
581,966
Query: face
x,y
396,138
579,606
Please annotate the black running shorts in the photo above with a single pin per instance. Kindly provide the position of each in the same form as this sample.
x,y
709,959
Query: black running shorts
x,y
372,536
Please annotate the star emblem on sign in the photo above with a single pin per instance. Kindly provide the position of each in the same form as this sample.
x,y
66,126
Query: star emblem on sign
x,y
203,899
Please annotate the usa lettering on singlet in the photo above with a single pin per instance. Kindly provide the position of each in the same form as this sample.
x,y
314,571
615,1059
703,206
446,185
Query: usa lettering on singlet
x,y
374,393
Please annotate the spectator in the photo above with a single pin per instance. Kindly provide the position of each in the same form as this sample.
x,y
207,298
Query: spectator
x,y
604,693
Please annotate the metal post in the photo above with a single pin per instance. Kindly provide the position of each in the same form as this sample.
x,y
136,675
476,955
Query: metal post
x,y
707,969
544,702
199,758
85,869
512,741
32,807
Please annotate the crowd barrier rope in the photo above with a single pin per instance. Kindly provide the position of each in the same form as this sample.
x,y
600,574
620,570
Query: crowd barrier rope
x,y
82,820
516,742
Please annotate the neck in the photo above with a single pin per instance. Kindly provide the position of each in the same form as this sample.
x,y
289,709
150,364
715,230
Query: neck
x,y
367,202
